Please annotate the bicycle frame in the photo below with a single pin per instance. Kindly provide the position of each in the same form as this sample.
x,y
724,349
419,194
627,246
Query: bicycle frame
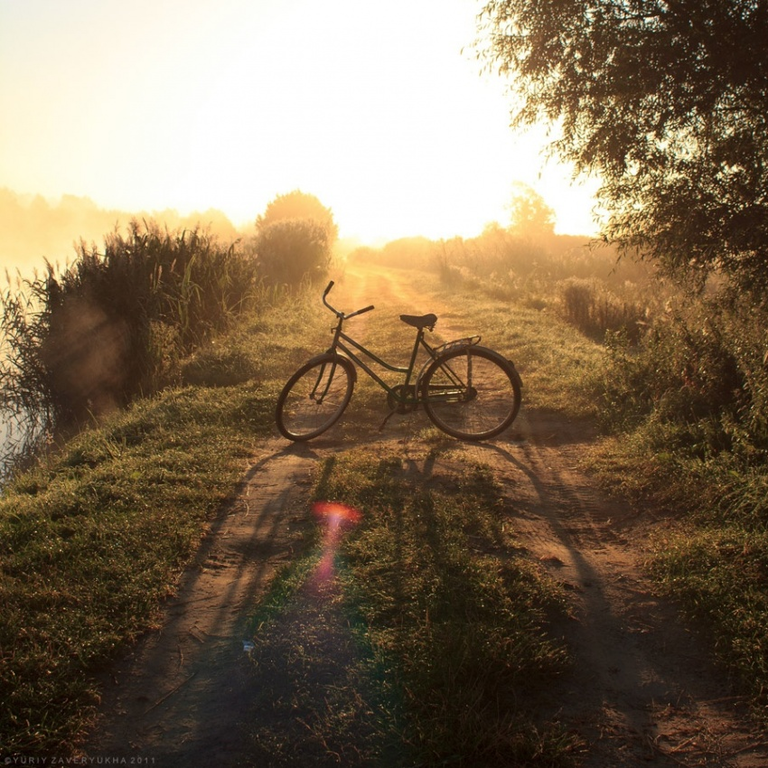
x,y
344,342
468,391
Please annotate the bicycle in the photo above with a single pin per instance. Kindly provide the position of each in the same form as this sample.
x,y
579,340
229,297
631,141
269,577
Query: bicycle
x,y
468,391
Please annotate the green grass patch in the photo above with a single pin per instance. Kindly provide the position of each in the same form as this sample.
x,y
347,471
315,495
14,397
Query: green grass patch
x,y
95,536
553,358
448,619
719,573
93,540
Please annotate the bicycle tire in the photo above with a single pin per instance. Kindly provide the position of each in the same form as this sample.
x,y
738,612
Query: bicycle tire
x,y
314,398
471,393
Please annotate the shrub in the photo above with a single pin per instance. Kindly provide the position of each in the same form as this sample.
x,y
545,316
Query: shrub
x,y
592,308
702,367
299,205
291,250
115,324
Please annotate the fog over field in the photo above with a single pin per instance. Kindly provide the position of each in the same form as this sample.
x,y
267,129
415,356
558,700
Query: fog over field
x,y
34,229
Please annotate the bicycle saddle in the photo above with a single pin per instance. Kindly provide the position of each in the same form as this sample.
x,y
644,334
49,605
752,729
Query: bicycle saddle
x,y
420,321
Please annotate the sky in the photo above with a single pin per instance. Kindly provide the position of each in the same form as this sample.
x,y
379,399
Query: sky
x,y
378,109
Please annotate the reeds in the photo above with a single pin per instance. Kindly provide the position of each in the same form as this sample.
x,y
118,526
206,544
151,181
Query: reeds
x,y
115,323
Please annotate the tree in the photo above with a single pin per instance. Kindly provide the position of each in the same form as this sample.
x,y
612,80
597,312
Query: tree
x,y
529,213
667,102
291,250
299,205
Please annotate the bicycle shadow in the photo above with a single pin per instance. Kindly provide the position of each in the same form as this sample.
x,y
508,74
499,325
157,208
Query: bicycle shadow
x,y
180,691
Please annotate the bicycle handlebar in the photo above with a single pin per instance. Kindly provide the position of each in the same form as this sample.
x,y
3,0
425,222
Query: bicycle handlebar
x,y
336,311
360,311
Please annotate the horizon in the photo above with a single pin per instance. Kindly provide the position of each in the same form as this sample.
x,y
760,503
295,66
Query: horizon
x,y
35,228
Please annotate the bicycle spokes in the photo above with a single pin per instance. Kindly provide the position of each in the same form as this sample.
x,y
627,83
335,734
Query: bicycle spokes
x,y
471,393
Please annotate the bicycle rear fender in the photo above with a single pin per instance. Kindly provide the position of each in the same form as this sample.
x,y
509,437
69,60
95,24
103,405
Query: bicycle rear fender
x,y
470,341
449,346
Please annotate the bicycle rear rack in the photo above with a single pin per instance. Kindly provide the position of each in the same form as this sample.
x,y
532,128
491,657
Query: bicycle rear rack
x,y
469,341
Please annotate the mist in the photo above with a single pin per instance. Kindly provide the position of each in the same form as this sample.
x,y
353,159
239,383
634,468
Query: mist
x,y
34,229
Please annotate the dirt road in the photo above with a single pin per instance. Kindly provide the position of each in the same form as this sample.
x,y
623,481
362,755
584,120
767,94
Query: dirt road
x,y
643,690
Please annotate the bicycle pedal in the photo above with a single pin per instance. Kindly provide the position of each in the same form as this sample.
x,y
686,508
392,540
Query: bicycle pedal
x,y
387,418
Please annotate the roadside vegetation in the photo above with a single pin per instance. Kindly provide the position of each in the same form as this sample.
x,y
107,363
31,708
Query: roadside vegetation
x,y
671,119
138,378
676,378
95,535
115,324
685,410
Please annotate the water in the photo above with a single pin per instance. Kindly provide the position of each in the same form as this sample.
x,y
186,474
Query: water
x,y
15,436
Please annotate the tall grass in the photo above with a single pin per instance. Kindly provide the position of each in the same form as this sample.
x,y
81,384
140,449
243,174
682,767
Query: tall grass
x,y
595,309
115,323
701,367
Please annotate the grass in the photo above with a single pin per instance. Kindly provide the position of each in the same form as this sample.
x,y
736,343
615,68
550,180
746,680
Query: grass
x,y
553,358
95,539
709,553
95,536
676,444
440,621
111,326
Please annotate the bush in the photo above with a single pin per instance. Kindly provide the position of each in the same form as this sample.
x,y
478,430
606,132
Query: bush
x,y
702,367
593,309
291,250
115,324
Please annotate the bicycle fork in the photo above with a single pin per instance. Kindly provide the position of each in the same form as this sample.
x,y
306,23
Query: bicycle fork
x,y
313,394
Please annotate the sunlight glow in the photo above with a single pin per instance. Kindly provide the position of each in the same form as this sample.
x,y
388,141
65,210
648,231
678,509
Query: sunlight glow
x,y
374,109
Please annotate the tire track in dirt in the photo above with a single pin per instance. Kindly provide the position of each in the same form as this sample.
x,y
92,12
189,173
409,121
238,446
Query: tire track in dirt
x,y
643,688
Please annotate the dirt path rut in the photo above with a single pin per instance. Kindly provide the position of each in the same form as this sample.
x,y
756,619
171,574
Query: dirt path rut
x,y
179,698
643,689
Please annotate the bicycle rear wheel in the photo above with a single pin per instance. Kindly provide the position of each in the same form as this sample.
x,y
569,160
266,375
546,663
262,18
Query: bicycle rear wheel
x,y
471,393
315,396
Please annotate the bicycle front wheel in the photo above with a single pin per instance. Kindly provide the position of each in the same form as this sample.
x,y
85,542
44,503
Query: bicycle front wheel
x,y
315,396
471,393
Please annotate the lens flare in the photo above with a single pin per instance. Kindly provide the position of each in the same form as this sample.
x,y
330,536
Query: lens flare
x,y
335,517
